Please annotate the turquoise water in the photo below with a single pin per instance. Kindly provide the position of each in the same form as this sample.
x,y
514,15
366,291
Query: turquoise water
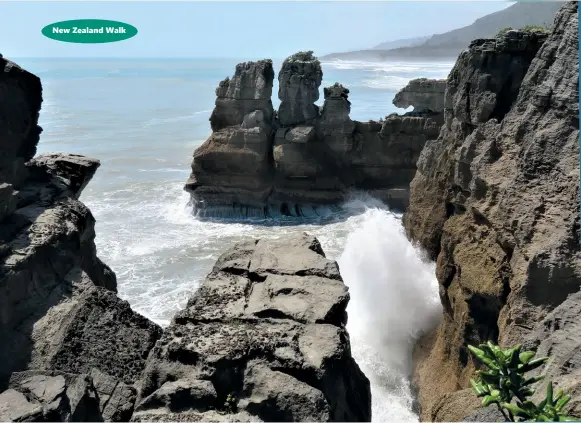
x,y
144,118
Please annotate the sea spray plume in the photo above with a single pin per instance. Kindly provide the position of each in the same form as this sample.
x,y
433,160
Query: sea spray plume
x,y
394,299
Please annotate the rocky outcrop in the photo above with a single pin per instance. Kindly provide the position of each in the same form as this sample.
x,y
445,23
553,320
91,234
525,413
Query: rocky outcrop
x,y
70,349
298,89
263,339
425,95
495,199
49,397
235,163
307,157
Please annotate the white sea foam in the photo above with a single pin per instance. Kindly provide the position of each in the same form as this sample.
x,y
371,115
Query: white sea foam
x,y
394,298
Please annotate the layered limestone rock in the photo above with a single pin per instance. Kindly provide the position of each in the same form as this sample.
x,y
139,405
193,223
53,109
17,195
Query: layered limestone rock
x,y
263,339
308,157
385,155
298,88
70,349
496,199
234,166
425,95
336,129
249,90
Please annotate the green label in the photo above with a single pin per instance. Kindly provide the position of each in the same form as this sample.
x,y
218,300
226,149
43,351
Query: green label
x,y
89,31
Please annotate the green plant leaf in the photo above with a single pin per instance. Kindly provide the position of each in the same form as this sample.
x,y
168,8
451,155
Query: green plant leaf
x,y
533,380
550,394
562,402
488,378
489,399
479,388
526,356
516,410
542,404
533,364
513,360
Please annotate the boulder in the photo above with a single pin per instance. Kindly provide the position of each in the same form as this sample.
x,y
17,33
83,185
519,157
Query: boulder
x,y
116,399
50,397
496,197
300,134
263,339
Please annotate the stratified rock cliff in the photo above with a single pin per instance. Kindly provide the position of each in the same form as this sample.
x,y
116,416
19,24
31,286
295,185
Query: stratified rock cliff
x,y
258,163
495,201
267,330
70,349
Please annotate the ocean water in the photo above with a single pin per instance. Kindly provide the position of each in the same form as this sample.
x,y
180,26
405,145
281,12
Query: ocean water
x,y
144,118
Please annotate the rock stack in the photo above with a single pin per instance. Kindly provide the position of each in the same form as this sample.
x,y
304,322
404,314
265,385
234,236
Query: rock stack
x,y
298,88
314,156
495,201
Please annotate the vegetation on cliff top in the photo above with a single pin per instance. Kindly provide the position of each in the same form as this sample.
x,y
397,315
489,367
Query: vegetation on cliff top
x,y
504,381
527,28
303,56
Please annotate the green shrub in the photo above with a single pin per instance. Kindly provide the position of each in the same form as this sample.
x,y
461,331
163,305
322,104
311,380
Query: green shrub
x,y
504,381
303,56
503,31
230,404
535,28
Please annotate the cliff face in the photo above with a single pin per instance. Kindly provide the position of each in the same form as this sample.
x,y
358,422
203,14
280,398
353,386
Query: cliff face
x,y
495,199
254,164
60,319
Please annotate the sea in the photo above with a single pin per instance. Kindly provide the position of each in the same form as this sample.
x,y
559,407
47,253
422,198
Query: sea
x,y
143,119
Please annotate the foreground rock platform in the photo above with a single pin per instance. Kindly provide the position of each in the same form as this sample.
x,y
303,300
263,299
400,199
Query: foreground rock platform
x,y
267,327
259,162
495,201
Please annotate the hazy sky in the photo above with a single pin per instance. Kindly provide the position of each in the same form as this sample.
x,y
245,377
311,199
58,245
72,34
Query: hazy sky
x,y
233,29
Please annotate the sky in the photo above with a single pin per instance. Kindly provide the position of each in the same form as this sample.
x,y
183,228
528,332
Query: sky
x,y
233,29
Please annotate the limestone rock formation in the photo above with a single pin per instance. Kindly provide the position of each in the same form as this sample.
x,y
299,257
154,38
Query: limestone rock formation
x,y
298,88
496,198
267,328
250,89
425,95
335,126
234,165
306,157
67,341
